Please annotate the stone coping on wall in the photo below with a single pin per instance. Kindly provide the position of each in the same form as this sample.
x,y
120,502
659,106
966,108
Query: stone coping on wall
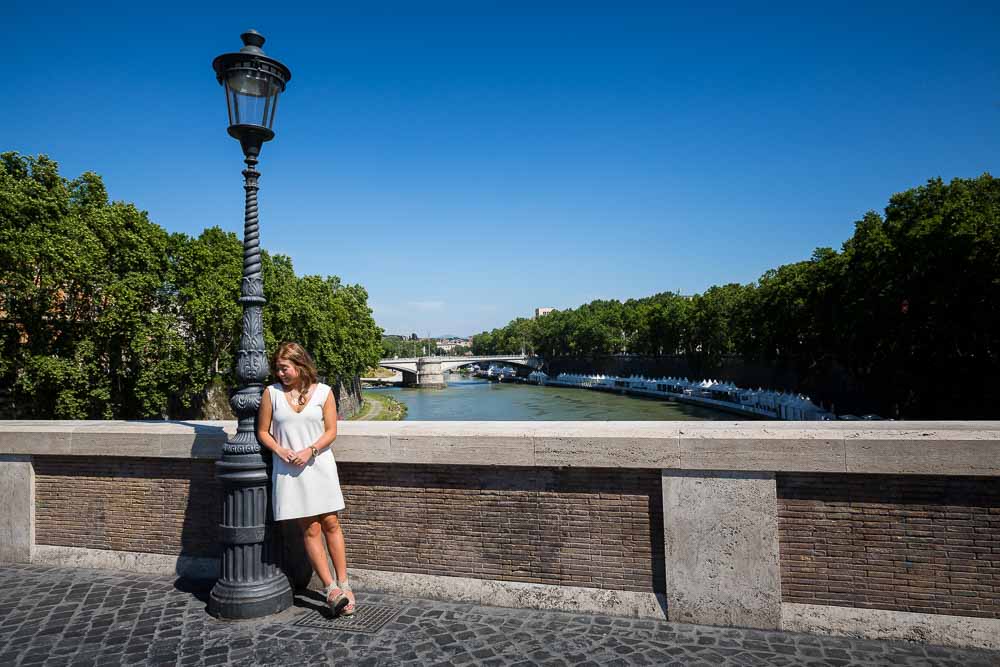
x,y
924,448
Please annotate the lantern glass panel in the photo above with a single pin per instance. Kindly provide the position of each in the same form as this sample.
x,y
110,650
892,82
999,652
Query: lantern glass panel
x,y
251,96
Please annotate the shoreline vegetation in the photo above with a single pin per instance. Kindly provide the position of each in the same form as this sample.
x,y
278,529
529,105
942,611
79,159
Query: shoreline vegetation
x,y
379,407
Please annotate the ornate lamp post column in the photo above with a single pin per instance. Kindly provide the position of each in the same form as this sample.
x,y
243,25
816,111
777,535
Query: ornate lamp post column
x,y
252,583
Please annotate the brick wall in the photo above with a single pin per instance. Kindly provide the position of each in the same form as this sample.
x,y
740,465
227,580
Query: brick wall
x,y
128,504
569,526
905,543
575,526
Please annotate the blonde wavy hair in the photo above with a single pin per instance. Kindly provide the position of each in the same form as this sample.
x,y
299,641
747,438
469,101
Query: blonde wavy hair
x,y
296,355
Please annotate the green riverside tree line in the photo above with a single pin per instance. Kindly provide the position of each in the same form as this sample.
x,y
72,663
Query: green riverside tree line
x,y
909,310
106,315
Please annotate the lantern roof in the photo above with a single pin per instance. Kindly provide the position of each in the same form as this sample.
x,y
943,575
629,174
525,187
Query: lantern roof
x,y
251,53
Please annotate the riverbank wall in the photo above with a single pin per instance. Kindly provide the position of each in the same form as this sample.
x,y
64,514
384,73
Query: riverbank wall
x,y
881,529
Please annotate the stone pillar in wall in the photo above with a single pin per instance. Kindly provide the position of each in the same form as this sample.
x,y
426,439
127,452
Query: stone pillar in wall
x,y
721,534
17,516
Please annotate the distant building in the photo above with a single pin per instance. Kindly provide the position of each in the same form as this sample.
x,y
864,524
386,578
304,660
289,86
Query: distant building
x,y
542,311
449,344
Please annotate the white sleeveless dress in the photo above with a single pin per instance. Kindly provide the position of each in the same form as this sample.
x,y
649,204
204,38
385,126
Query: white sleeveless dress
x,y
312,489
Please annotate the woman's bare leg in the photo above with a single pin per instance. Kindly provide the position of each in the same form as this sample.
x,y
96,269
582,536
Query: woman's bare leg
x,y
335,542
338,553
312,534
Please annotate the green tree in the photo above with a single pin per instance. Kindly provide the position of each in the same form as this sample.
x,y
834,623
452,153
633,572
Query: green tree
x,y
105,315
331,320
710,333
922,289
88,321
206,281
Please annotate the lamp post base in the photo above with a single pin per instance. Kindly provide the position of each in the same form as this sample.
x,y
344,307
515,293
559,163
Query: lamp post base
x,y
252,583
241,601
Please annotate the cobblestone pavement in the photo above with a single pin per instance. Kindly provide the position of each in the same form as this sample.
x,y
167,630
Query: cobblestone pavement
x,y
65,616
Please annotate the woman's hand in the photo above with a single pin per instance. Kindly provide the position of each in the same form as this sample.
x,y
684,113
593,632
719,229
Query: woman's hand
x,y
292,457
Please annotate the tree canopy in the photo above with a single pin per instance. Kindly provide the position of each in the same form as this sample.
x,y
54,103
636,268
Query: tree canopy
x,y
909,308
103,314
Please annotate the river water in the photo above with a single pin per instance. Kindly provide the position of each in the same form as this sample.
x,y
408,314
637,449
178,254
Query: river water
x,y
474,399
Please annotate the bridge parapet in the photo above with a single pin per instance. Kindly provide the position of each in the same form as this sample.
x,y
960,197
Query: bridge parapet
x,y
774,525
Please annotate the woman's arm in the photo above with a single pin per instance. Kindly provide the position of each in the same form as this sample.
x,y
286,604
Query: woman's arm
x,y
264,436
329,424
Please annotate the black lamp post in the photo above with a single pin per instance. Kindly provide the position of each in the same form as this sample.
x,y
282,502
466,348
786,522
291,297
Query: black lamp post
x,y
252,583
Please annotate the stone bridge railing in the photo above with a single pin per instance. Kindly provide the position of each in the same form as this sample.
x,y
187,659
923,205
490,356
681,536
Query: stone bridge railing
x,y
879,529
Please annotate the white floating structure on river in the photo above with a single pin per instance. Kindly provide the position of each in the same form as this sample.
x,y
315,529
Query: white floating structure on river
x,y
710,393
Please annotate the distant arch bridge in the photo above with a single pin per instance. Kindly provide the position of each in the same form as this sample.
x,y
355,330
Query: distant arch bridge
x,y
429,371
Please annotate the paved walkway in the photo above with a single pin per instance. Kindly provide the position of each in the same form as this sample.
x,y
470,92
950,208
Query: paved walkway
x,y
63,616
374,409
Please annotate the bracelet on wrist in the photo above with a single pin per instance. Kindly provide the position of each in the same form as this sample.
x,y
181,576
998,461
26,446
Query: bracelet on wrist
x,y
314,451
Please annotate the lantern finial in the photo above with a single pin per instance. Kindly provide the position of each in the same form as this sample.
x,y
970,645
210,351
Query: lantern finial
x,y
252,41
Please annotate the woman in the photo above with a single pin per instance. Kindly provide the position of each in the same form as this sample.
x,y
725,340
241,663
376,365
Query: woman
x,y
298,423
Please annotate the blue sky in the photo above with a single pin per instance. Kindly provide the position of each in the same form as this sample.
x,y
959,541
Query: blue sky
x,y
467,162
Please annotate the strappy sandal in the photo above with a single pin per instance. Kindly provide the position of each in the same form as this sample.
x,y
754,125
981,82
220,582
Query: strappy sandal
x,y
336,598
345,587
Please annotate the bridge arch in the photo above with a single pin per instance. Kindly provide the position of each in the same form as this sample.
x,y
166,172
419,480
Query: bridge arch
x,y
452,365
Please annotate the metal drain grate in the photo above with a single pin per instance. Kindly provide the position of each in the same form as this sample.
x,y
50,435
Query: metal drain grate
x,y
368,618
